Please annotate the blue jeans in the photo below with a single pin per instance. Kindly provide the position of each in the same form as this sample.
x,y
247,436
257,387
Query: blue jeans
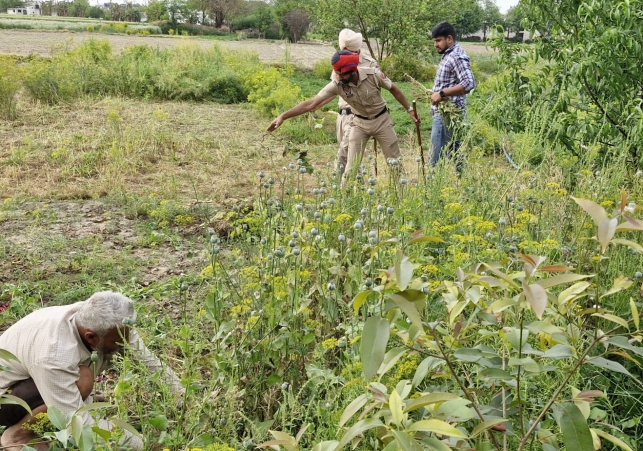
x,y
441,142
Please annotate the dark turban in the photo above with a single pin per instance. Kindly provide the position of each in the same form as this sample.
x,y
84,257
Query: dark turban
x,y
345,61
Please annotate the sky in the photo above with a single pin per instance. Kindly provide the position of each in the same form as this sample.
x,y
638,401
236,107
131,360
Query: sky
x,y
504,5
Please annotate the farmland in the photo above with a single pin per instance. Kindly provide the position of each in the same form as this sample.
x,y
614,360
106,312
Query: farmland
x,y
411,305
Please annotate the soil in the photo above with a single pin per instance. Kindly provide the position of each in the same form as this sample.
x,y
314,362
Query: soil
x,y
25,42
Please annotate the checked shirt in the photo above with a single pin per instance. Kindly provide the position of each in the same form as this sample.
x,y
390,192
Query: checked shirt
x,y
454,69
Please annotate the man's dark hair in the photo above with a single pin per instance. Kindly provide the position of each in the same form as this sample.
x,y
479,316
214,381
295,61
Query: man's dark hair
x,y
443,30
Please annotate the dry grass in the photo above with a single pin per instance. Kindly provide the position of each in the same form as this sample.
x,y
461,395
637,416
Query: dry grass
x,y
177,150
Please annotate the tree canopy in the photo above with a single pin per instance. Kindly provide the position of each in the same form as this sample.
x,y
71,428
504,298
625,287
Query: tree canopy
x,y
584,70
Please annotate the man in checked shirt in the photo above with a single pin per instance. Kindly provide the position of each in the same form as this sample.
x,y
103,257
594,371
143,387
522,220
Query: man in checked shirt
x,y
453,81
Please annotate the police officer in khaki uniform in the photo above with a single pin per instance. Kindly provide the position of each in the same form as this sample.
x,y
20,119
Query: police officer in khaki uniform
x,y
348,40
361,88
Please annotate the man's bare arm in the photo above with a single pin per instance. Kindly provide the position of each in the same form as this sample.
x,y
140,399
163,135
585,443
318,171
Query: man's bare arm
x,y
304,107
400,97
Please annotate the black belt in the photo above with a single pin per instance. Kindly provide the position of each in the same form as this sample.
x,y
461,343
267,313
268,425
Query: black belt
x,y
373,117
345,111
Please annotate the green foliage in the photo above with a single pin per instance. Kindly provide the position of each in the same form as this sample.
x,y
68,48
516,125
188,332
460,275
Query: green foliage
x,y
395,67
583,68
323,70
469,19
9,85
397,29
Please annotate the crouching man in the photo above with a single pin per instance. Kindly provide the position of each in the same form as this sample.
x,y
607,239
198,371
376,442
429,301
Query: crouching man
x,y
54,347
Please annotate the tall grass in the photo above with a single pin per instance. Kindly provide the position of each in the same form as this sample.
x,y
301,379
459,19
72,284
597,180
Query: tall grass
x,y
7,22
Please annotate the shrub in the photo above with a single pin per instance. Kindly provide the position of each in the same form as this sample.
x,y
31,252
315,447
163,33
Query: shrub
x,y
9,85
227,89
90,28
395,67
322,69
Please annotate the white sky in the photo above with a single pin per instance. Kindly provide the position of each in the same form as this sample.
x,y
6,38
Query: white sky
x,y
504,5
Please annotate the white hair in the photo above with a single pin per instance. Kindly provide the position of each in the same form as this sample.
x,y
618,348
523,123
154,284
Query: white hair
x,y
104,311
350,40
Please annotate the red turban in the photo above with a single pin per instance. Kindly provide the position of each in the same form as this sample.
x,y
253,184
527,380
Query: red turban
x,y
345,61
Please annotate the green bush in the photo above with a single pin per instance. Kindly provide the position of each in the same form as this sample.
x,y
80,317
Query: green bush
x,y
322,69
9,86
395,67
166,27
90,28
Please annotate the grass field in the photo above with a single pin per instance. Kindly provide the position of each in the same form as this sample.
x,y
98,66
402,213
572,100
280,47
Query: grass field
x,y
288,302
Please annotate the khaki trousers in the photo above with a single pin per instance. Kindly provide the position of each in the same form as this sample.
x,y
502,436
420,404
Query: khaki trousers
x,y
380,128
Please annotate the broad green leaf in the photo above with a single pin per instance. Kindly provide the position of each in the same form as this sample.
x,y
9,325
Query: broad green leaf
x,y
630,225
582,404
486,425
355,405
572,292
608,365
328,445
632,244
428,399
437,427
559,352
635,313
395,405
456,410
422,370
501,275
550,282
86,439
126,426
456,310
403,271
10,399
545,326
616,441
613,318
287,441
606,231
56,417
6,355
426,239
576,435
537,298
373,344
435,444
76,427
468,354
360,298
102,433
358,428
623,343
95,406
390,359
160,422
514,337
205,439
527,363
404,388
405,442
496,373
502,304
620,283
63,435
409,309
597,212
383,243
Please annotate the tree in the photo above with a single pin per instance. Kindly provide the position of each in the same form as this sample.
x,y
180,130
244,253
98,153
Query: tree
x,y
4,4
155,10
79,8
491,16
588,78
265,19
514,17
95,12
468,18
296,23
388,27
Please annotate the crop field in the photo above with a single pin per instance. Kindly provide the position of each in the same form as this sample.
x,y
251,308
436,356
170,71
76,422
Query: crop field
x,y
410,307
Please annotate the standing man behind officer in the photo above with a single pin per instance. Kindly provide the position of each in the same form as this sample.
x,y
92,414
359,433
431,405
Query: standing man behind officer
x,y
348,40
453,81
361,88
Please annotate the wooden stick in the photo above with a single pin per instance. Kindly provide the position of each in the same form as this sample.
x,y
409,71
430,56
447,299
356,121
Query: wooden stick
x,y
417,128
375,155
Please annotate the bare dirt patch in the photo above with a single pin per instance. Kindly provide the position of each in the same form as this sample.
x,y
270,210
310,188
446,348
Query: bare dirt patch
x,y
24,42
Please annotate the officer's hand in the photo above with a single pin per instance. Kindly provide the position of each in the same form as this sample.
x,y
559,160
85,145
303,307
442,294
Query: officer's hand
x,y
415,116
275,124
436,98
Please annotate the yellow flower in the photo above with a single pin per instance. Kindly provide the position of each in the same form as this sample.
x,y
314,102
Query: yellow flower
x,y
343,217
553,185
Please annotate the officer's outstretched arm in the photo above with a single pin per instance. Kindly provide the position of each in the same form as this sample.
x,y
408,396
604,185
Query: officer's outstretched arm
x,y
400,97
304,107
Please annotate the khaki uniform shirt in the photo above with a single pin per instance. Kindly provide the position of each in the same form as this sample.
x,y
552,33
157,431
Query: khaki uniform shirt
x,y
365,61
365,98
49,350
